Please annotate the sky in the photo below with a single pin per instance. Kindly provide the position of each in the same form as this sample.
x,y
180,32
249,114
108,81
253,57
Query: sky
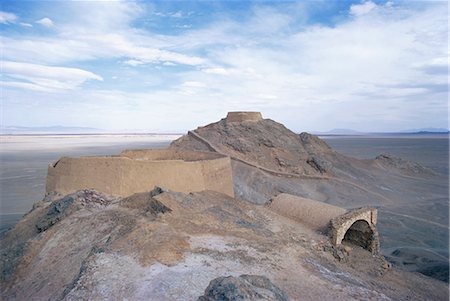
x,y
171,66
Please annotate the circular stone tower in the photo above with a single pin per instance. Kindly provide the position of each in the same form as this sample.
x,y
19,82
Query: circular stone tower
x,y
243,116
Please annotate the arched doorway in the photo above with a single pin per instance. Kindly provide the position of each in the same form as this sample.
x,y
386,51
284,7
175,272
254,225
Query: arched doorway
x,y
360,234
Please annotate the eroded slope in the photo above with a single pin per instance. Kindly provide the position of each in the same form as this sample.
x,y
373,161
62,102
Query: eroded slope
x,y
169,246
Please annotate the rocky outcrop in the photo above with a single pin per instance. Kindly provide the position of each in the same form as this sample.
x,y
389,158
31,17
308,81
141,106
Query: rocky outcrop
x,y
243,288
145,204
406,166
57,211
65,206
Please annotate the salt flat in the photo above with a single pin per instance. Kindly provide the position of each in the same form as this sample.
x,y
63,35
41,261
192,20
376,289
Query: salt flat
x,y
24,161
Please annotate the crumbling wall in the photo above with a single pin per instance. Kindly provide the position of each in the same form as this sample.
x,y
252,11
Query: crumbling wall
x,y
358,226
140,171
243,116
314,214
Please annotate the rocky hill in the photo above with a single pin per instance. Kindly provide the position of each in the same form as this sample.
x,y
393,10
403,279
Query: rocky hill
x,y
167,245
265,143
171,246
268,159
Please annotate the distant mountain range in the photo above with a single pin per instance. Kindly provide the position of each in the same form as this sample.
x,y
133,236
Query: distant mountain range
x,y
350,132
8,130
60,130
23,130
427,130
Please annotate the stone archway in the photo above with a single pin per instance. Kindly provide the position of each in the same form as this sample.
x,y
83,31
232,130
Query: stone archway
x,y
357,227
360,234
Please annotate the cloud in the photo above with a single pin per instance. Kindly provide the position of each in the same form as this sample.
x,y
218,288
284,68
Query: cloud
x,y
130,47
100,17
26,24
6,18
218,71
184,26
47,22
349,72
44,78
26,86
134,63
177,14
362,9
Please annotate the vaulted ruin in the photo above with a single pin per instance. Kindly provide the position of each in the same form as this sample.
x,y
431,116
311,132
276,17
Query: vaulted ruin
x,y
135,171
356,227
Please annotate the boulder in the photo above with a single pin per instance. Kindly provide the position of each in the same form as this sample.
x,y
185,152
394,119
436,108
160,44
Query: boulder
x,y
244,287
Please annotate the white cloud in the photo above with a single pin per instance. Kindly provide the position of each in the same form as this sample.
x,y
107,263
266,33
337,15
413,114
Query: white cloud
x,y
354,73
47,22
26,86
135,48
268,20
44,78
26,24
177,14
184,26
362,9
218,71
266,96
6,18
133,63
194,84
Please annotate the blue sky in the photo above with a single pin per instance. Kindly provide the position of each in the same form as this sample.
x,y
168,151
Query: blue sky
x,y
174,65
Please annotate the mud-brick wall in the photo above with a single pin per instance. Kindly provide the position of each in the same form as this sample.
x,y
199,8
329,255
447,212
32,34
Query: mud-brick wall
x,y
314,214
124,176
243,116
218,176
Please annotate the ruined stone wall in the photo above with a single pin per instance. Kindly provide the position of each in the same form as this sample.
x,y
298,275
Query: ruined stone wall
x,y
314,214
140,171
341,224
243,116
329,219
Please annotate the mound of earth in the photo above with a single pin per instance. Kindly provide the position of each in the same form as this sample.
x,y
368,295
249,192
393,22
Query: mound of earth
x,y
164,245
265,143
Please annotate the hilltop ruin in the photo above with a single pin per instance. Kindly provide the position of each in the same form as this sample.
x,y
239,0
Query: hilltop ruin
x,y
243,201
355,227
135,171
